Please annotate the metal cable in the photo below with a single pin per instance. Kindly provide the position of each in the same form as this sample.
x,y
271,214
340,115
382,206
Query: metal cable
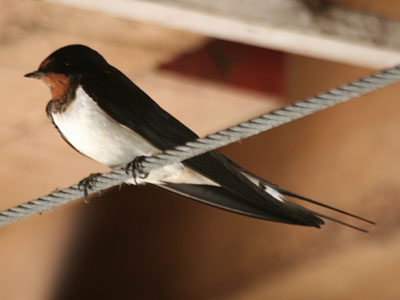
x,y
211,142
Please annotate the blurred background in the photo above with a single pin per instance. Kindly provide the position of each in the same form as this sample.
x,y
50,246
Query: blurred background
x,y
211,64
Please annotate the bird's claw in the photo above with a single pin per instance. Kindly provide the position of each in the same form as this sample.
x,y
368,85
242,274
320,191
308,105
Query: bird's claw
x,y
87,184
135,168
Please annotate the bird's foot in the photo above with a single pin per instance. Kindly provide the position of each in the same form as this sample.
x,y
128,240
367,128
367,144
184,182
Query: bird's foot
x,y
135,168
87,184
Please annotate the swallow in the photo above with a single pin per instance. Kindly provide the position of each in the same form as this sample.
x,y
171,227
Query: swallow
x,y
103,115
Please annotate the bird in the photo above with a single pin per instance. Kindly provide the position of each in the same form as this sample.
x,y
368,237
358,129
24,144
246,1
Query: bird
x,y
103,115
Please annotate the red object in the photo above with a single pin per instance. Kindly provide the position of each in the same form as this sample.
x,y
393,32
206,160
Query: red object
x,y
235,64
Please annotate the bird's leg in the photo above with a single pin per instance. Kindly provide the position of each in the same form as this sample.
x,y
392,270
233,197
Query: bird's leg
x,y
135,168
87,184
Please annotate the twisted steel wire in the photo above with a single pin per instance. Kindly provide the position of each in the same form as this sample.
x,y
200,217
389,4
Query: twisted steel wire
x,y
233,134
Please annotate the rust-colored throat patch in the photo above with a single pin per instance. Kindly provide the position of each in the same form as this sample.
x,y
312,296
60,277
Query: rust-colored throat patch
x,y
58,84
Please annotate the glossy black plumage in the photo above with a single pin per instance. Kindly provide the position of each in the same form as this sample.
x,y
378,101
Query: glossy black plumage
x,y
114,92
233,188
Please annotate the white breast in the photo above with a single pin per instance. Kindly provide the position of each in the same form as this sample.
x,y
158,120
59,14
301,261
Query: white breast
x,y
97,135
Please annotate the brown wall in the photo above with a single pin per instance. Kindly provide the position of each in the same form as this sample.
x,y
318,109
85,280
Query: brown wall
x,y
140,241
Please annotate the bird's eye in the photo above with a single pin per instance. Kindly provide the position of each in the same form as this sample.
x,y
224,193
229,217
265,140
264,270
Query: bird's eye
x,y
66,64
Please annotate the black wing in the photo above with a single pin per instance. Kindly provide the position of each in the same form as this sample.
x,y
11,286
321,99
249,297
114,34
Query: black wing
x,y
129,105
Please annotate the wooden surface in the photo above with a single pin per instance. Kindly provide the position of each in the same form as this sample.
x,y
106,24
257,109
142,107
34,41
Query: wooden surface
x,y
346,156
342,31
142,242
35,160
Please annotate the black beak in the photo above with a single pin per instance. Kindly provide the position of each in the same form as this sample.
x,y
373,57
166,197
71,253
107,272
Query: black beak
x,y
35,74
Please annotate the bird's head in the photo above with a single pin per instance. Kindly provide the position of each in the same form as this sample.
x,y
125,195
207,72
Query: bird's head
x,y
64,65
